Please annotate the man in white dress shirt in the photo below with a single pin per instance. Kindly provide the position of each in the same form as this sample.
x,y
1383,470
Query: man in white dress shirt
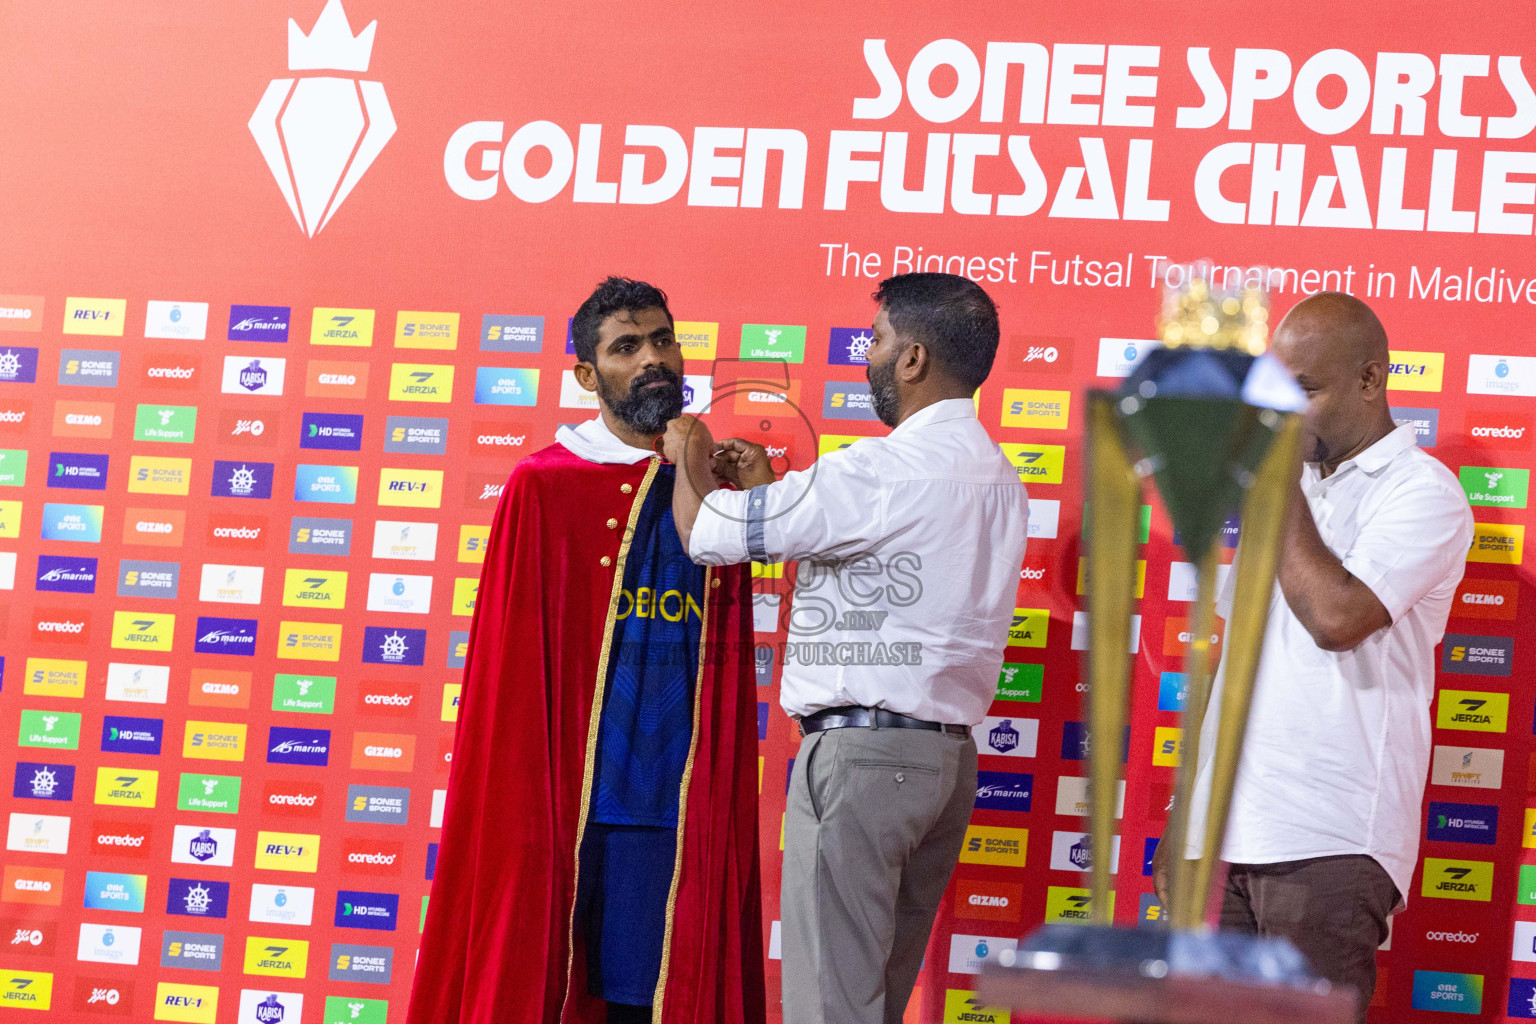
x,y
909,548
1324,830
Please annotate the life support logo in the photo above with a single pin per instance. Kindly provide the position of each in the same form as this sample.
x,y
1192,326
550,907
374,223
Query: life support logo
x,y
331,129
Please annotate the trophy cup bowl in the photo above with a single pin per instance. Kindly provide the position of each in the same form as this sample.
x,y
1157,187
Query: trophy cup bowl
x,y
1215,425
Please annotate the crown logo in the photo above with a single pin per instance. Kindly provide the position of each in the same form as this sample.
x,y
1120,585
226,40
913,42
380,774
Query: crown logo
x,y
330,45
320,133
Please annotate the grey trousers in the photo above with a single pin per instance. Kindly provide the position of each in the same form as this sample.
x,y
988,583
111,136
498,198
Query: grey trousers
x,y
873,828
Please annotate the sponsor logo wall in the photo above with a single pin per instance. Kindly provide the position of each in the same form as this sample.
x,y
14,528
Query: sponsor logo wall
x,y
264,373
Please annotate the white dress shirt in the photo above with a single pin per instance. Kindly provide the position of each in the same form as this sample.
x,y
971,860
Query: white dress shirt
x,y
909,548
1338,745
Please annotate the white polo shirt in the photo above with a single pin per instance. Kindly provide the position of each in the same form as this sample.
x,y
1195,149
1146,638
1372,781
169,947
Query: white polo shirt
x,y
909,549
1338,745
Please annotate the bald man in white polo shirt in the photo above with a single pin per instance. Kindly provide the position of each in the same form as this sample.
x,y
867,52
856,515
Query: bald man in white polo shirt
x,y
1324,830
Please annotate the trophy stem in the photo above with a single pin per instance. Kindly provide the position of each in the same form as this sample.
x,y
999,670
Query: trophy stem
x,y
1188,901
1263,521
1114,496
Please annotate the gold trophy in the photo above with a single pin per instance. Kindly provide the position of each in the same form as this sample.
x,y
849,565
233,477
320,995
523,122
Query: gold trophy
x,y
1215,424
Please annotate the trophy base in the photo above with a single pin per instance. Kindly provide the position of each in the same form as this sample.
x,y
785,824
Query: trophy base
x,y
1155,976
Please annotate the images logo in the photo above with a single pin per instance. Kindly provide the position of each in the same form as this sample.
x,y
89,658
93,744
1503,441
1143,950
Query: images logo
x,y
338,125
187,320
1501,375
282,904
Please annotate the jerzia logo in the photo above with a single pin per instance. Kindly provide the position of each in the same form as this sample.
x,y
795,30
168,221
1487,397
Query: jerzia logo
x,y
330,129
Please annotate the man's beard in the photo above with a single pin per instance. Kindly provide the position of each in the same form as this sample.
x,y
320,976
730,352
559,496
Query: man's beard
x,y
882,390
644,410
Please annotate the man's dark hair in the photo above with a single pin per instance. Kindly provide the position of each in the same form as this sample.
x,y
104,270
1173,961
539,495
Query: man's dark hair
x,y
952,315
614,295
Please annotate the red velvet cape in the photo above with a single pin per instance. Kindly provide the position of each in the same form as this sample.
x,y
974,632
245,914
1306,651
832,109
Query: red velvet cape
x,y
498,947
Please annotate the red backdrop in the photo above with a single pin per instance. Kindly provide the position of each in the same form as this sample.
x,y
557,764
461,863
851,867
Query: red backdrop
x,y
147,152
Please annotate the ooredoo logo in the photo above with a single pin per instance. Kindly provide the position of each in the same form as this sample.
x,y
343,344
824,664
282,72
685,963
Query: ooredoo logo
x,y
372,856
1511,431
395,700
331,129
120,839
289,799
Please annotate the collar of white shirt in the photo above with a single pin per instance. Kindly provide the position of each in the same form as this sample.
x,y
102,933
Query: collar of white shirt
x,y
938,412
594,442
1375,458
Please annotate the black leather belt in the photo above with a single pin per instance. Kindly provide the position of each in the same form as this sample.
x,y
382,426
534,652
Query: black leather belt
x,y
871,718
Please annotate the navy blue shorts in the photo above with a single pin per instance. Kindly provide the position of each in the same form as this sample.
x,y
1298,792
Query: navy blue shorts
x,y
626,877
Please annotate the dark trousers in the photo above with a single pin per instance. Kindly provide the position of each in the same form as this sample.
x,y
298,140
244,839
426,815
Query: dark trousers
x,y
1334,909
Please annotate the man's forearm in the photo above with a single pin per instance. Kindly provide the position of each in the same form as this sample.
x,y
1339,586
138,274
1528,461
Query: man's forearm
x,y
1337,609
695,480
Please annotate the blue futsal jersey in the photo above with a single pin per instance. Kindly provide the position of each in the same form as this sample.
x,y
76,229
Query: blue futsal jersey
x,y
647,715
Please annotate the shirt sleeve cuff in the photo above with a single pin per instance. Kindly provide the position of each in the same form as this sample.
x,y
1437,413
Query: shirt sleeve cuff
x,y
1375,578
719,534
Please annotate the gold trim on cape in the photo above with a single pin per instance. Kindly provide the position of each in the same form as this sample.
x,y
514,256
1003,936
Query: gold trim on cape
x,y
594,719
682,804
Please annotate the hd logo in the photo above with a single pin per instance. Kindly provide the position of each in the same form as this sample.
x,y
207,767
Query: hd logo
x,y
1473,710
1458,879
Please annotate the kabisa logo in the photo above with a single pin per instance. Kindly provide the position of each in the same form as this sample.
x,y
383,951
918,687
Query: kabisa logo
x,y
332,129
271,1009
1003,738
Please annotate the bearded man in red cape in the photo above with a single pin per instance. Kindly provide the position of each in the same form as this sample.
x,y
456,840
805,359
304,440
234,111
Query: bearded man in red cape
x,y
598,861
